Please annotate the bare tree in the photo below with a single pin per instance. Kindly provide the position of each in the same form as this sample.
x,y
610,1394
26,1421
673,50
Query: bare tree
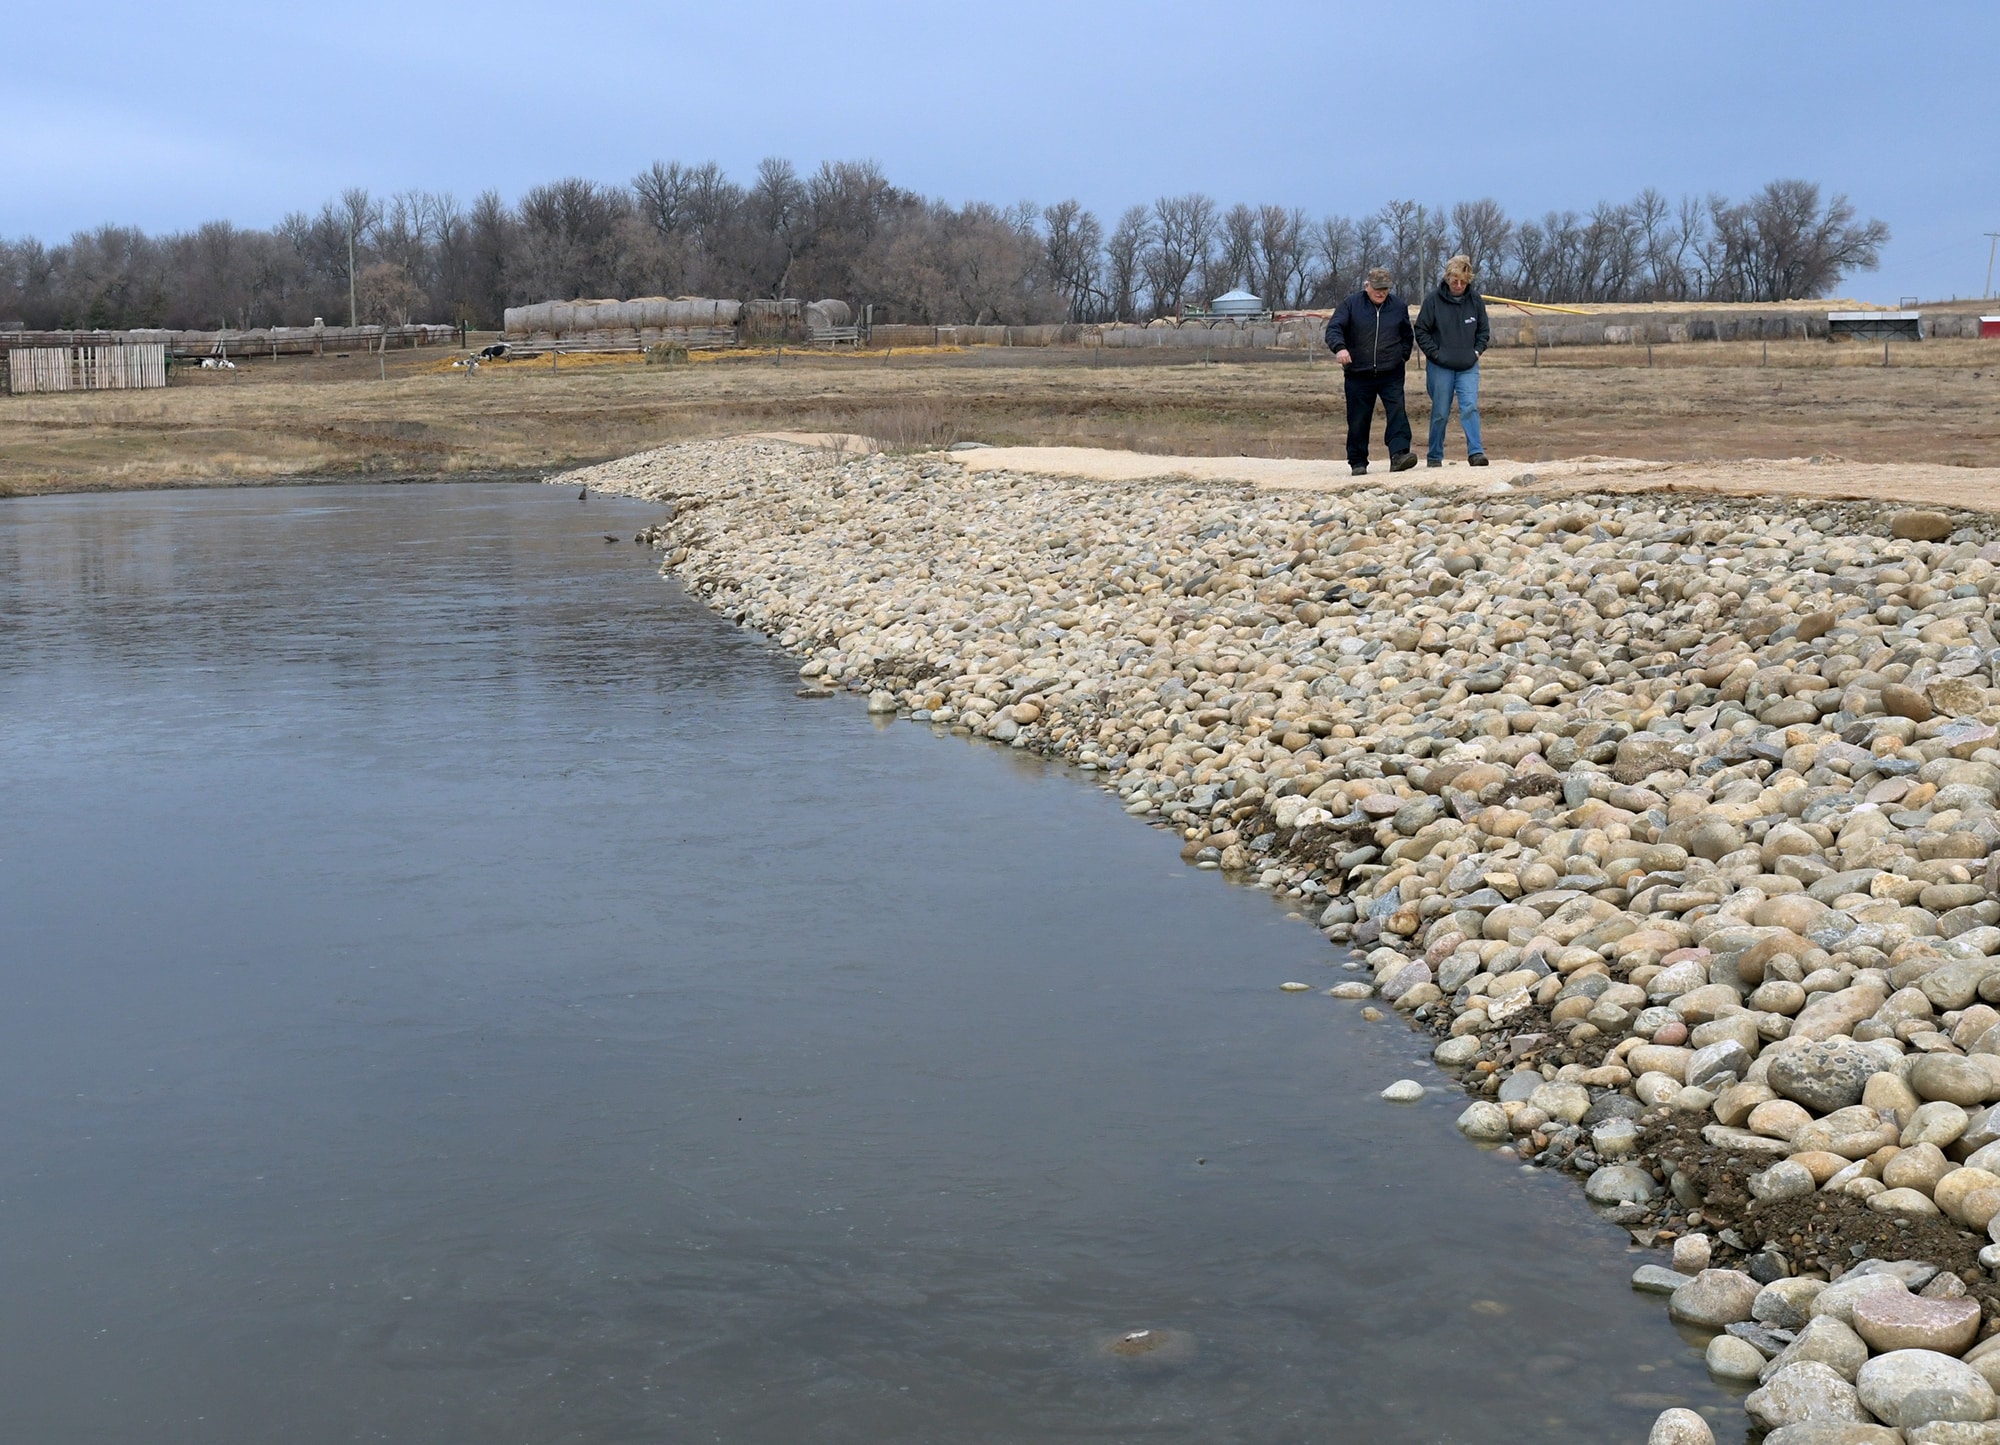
x,y
775,210
1183,236
388,295
1481,232
569,237
846,231
1124,259
1413,236
1074,248
1791,246
1236,259
1345,249
1281,252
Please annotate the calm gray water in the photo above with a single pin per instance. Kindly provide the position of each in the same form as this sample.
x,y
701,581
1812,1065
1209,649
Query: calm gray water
x,y
454,991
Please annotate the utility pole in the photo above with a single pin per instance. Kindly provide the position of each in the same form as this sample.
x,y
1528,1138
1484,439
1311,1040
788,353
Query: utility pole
x,y
1994,238
351,321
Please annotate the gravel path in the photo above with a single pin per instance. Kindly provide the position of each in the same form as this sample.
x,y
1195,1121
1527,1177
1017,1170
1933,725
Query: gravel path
x,y
1671,815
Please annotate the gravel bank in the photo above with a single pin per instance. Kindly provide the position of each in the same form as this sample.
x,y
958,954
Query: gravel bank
x,y
1670,818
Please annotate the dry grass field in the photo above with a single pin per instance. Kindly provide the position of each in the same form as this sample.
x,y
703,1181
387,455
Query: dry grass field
x,y
1938,402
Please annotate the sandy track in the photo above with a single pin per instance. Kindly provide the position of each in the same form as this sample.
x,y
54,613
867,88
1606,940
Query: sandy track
x,y
1964,488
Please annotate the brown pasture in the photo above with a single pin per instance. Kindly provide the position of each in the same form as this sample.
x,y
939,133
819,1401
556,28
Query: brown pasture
x,y
1937,402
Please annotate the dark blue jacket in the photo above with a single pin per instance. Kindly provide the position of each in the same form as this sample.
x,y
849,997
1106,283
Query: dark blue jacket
x,y
1453,330
1378,337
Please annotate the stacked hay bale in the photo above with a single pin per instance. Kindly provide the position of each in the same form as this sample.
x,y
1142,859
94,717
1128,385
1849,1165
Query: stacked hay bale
x,y
623,325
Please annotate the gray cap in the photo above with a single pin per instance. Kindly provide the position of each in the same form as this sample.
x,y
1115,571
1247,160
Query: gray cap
x,y
1380,279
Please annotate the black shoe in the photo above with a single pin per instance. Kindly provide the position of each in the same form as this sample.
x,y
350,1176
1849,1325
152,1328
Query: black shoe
x,y
1402,461
1433,461
1477,459
1360,469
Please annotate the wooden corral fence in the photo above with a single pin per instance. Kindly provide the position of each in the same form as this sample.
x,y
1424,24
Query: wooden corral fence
x,y
86,368
257,341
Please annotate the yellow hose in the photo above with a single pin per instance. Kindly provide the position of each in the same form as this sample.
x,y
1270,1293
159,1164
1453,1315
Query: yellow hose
x,y
1534,305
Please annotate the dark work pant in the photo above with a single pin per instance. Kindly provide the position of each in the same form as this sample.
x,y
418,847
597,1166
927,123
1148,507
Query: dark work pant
x,y
1363,387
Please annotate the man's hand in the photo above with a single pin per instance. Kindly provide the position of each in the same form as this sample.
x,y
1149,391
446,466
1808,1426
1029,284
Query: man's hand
x,y
1343,357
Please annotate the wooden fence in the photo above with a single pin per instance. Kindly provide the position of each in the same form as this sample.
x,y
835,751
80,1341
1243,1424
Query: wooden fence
x,y
86,368
258,341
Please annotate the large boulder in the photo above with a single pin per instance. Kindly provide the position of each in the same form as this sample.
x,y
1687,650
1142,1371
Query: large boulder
x,y
1786,1304
1958,1194
1727,1058
1830,1014
1823,1076
1622,1184
1787,1179
1852,1133
1714,1299
1914,1387
1680,1427
1911,1322
1950,1077
1839,1299
1560,1099
1805,1391
1827,1341
1485,1123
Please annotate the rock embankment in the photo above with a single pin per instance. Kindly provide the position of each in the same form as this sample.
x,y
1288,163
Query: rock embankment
x,y
1673,821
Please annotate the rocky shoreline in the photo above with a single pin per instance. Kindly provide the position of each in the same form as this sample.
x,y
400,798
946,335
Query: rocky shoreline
x,y
1672,819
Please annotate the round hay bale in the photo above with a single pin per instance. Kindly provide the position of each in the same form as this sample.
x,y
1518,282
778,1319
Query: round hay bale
x,y
653,312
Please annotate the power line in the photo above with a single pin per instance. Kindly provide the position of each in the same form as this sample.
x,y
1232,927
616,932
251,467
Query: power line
x,y
1994,237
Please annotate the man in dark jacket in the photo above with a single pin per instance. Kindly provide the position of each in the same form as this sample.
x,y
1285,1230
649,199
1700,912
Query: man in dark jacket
x,y
1370,337
1453,331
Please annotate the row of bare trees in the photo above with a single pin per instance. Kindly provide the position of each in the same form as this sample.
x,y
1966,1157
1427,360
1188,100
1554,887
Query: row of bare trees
x,y
845,231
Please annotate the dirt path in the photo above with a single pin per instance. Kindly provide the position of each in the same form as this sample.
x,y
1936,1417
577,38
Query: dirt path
x,y
1831,478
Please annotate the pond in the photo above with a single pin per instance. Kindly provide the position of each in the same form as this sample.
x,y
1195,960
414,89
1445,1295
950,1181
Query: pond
x,y
455,989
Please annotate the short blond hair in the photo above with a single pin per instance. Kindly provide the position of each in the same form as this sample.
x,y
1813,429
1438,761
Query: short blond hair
x,y
1459,268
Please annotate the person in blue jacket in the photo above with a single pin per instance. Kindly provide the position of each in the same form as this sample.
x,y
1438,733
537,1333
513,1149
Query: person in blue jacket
x,y
1453,333
1370,336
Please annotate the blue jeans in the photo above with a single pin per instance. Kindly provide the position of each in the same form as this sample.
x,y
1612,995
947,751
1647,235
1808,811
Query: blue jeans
x,y
1443,384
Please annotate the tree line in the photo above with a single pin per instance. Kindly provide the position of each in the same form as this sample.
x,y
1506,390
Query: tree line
x,y
844,231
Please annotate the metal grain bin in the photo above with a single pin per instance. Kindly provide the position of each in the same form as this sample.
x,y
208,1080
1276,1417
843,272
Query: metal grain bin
x,y
1237,303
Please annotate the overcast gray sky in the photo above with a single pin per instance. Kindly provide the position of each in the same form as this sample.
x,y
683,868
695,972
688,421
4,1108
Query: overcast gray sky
x,y
167,115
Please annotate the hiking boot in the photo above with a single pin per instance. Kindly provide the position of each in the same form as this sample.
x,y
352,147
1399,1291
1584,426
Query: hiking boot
x,y
1477,459
1359,470
1433,461
1402,461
